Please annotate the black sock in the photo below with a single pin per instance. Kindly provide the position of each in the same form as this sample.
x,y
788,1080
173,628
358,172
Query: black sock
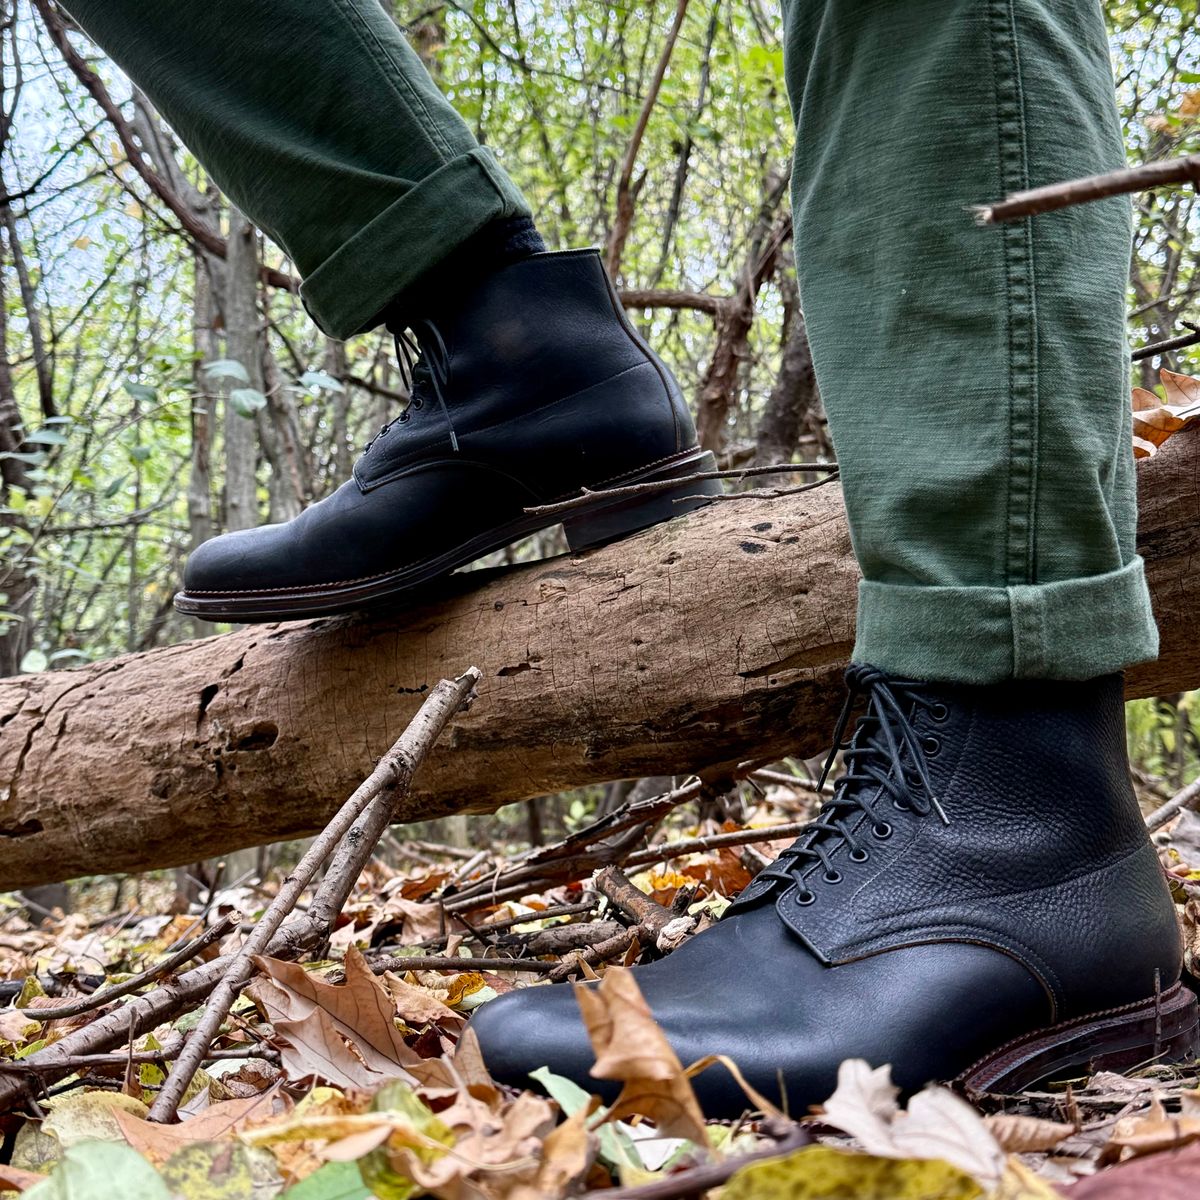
x,y
496,245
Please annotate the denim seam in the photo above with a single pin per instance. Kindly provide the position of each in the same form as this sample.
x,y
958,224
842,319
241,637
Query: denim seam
x,y
425,121
1017,251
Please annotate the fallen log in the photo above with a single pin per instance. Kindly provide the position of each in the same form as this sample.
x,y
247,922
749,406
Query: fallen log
x,y
712,639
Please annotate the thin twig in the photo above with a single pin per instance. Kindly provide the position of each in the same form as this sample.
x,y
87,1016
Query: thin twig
x,y
82,1062
425,962
1188,798
391,778
102,996
590,496
1176,343
684,1184
625,188
742,837
619,943
764,493
782,779
481,932
1091,187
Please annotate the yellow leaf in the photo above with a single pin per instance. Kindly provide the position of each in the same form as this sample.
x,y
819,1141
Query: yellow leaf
x,y
82,243
823,1173
1189,104
464,985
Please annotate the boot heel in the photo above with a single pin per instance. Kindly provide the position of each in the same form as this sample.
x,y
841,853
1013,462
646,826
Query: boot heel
x,y
1164,1029
607,520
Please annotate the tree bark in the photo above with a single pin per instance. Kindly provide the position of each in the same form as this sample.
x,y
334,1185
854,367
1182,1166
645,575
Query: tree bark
x,y
241,341
708,640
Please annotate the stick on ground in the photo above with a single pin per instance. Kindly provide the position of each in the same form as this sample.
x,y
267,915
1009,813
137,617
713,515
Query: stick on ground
x,y
390,779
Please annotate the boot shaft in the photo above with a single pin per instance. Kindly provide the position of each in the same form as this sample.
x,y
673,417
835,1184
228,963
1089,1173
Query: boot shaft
x,y
1033,845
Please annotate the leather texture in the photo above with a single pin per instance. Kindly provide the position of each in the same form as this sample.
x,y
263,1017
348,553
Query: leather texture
x,y
1038,900
548,389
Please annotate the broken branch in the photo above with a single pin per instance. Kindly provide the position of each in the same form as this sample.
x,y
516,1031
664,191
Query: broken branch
x,y
393,774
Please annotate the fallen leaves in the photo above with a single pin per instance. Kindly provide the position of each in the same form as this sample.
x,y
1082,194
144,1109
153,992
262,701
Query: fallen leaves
x,y
1155,420
341,1033
631,1049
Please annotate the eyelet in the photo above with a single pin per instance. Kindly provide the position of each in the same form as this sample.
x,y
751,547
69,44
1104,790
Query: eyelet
x,y
805,898
403,416
834,876
901,806
859,855
931,744
882,830
417,402
939,712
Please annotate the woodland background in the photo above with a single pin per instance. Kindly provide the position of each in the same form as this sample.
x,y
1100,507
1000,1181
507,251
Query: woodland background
x,y
160,382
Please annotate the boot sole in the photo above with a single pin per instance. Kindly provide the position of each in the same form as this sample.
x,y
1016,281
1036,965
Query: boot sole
x,y
1162,1029
586,527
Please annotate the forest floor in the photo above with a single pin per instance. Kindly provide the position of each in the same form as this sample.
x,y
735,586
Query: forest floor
x,y
355,1076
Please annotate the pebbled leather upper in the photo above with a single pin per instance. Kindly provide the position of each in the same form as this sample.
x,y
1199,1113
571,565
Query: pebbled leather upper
x,y
1040,900
1045,855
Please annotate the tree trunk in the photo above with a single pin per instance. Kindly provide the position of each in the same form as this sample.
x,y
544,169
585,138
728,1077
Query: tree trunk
x,y
794,394
241,324
711,639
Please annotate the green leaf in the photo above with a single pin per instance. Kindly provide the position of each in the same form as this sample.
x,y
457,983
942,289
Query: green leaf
x,y
247,401
226,368
320,382
114,487
139,454
47,437
143,392
616,1147
100,1171
334,1181
33,662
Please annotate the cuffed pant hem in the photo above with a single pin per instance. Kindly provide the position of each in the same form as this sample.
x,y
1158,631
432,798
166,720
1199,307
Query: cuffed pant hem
x,y
1073,629
347,292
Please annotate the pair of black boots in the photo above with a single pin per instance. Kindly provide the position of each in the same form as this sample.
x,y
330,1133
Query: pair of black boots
x,y
978,900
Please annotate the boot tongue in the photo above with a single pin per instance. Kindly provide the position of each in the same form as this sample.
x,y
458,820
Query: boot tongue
x,y
884,760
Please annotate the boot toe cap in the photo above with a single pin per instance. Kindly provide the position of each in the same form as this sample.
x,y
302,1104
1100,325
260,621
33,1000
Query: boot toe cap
x,y
246,559
536,1027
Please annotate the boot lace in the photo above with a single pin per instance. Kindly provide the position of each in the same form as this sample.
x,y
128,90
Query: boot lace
x,y
424,364
884,759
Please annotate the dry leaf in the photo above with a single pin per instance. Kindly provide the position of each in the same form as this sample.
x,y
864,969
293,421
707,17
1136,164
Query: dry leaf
x,y
1150,1133
158,1142
1154,420
308,1013
631,1048
567,1154
1026,1135
17,1179
418,1006
314,1047
937,1125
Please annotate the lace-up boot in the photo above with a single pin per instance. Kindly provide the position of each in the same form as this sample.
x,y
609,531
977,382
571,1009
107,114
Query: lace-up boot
x,y
528,389
977,901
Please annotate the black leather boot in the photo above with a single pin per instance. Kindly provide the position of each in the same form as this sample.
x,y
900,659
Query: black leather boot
x,y
530,388
978,901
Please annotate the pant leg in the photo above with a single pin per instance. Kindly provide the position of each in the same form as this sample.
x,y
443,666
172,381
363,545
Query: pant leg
x,y
976,379
322,125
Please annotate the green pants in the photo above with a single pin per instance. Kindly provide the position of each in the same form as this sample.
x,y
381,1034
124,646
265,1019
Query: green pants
x,y
975,380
